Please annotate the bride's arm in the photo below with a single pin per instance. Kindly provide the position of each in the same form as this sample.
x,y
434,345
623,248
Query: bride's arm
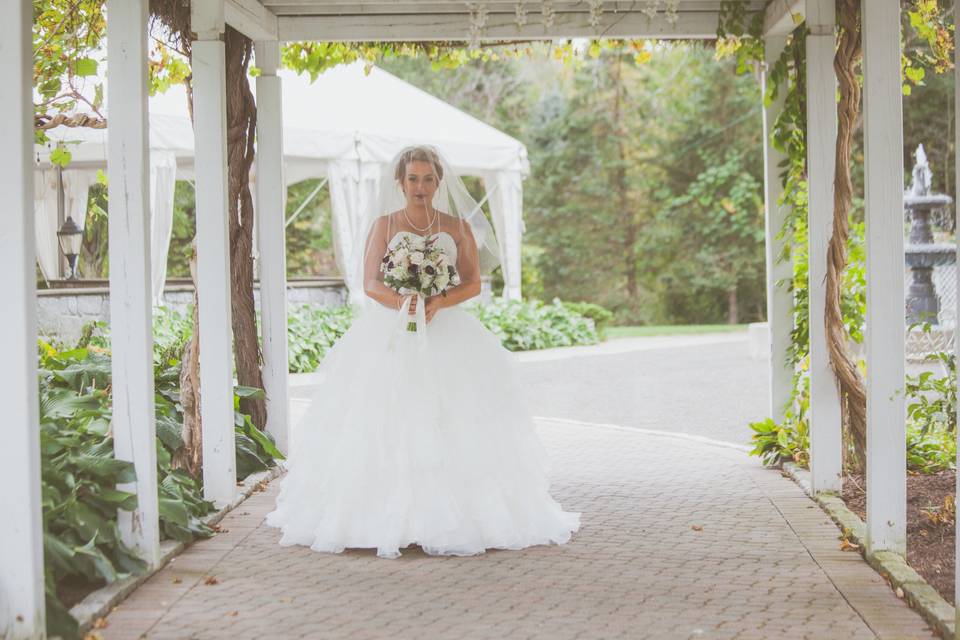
x,y
373,285
468,266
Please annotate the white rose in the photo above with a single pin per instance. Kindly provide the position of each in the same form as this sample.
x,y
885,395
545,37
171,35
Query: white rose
x,y
398,272
416,257
400,254
443,261
442,281
455,279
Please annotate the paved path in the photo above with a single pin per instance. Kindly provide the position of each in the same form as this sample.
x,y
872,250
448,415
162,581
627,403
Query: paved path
x,y
680,538
706,385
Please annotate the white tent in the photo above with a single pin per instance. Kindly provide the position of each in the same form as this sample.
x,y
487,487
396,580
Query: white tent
x,y
344,127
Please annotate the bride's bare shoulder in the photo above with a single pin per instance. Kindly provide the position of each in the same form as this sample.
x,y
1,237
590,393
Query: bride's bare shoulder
x,y
451,224
385,220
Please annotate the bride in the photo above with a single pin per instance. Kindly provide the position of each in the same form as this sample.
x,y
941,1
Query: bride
x,y
417,432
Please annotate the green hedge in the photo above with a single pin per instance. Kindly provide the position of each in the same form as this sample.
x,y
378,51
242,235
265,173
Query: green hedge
x,y
523,325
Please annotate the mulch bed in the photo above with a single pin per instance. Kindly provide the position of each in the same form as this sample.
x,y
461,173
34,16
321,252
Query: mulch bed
x,y
930,545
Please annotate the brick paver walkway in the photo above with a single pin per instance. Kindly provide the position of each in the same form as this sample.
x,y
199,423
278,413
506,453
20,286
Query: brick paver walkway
x,y
680,539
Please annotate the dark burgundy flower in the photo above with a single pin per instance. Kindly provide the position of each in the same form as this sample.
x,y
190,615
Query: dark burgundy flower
x,y
413,269
429,269
390,265
450,269
386,258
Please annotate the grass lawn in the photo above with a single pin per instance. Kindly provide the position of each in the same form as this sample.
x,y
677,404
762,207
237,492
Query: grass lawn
x,y
671,329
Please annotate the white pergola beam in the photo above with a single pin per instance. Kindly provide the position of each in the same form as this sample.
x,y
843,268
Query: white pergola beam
x,y
21,536
318,7
779,295
883,188
213,256
825,418
781,17
131,324
271,199
449,26
251,18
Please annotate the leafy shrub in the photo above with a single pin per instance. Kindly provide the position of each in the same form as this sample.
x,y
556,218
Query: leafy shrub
x,y
931,422
601,316
311,331
932,416
82,544
790,441
522,325
79,475
930,451
776,443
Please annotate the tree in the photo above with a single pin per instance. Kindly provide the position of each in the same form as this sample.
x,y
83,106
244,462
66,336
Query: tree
x,y
241,131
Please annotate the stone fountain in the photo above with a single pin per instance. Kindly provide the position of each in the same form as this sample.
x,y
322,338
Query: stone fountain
x,y
922,253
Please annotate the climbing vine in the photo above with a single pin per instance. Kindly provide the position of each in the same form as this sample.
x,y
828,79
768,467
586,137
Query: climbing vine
x,y
928,46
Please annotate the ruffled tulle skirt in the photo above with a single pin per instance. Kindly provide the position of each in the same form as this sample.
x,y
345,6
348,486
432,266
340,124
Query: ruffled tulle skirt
x,y
418,441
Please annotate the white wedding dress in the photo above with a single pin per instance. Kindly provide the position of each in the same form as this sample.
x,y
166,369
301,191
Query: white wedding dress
x,y
410,441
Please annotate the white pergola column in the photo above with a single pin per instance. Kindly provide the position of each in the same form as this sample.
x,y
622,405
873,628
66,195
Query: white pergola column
x,y
779,296
131,324
271,199
883,187
21,536
825,419
213,256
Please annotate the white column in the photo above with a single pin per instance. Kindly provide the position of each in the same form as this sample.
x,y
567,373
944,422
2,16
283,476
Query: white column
x,y
779,296
213,256
131,328
271,198
21,536
883,188
825,420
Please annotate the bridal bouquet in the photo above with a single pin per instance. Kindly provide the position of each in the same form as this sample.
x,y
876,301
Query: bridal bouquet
x,y
418,265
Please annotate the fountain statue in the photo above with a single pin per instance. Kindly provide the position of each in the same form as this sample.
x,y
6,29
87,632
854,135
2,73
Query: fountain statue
x,y
922,253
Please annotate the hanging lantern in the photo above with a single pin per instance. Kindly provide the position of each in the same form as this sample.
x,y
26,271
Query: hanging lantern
x,y
70,237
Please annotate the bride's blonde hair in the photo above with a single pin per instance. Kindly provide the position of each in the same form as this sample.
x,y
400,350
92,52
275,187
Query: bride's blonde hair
x,y
417,154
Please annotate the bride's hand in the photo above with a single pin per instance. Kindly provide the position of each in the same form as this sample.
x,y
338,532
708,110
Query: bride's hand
x,y
432,305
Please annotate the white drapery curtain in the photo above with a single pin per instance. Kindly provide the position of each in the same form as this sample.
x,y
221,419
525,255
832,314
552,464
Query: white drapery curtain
x,y
353,194
163,181
506,208
76,187
45,224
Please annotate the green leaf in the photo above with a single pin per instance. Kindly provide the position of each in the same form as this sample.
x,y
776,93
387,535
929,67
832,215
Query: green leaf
x,y
122,499
249,392
60,157
266,443
84,67
174,511
915,74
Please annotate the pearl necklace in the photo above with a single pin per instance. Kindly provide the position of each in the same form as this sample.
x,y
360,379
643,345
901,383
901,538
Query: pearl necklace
x,y
428,227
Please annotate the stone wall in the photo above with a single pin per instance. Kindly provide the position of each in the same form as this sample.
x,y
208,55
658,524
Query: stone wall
x,y
62,313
